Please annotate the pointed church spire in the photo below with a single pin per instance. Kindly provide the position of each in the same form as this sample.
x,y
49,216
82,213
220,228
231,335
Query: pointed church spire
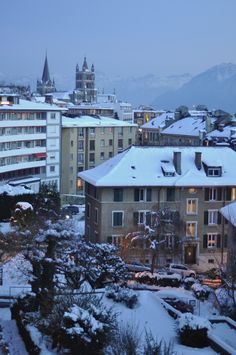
x,y
45,76
85,65
92,68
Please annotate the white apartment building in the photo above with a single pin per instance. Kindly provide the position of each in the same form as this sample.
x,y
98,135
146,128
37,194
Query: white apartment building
x,y
30,141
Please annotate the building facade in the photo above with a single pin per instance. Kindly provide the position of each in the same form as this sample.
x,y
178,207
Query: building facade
x,y
30,140
191,184
87,141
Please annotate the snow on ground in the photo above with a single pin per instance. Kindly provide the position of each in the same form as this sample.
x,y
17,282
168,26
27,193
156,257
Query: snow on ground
x,y
225,333
10,336
150,315
15,276
5,227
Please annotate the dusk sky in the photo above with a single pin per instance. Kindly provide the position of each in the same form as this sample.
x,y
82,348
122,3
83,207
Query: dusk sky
x,y
125,37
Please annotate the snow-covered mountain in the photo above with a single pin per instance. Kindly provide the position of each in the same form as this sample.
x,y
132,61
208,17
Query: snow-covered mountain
x,y
215,87
142,89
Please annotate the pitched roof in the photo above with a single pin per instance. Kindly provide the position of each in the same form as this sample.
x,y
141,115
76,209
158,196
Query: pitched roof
x,y
142,166
229,212
45,76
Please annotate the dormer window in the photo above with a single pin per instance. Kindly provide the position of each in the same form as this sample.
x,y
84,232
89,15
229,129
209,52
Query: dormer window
x,y
167,168
216,171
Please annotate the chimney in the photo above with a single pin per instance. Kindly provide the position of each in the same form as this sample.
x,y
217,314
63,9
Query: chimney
x,y
49,99
208,125
198,160
177,162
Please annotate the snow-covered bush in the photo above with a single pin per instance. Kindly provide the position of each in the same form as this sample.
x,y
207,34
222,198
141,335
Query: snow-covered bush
x,y
122,294
201,291
161,279
126,340
87,330
188,282
193,330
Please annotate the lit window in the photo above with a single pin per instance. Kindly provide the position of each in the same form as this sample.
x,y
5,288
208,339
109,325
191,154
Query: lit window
x,y
192,205
211,240
191,229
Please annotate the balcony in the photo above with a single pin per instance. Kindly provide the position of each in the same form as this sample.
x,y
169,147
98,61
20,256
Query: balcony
x,y
191,240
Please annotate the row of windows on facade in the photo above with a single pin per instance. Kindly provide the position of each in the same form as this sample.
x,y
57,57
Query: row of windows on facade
x,y
102,130
22,130
22,172
25,115
211,194
22,144
103,144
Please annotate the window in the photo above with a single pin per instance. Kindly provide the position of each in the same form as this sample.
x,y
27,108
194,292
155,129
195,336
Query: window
x,y
71,143
115,240
192,205
149,195
192,190
91,157
92,145
81,158
80,145
144,217
169,241
110,154
211,241
92,131
96,215
214,171
117,218
138,194
191,229
102,143
52,169
212,217
81,132
102,155
118,195
110,142
120,131
213,194
88,210
53,115
170,194
120,143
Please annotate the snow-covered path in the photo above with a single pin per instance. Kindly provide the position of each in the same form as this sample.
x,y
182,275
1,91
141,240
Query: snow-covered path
x,y
10,335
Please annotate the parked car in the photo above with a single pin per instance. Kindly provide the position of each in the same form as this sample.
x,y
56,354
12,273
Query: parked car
x,y
181,269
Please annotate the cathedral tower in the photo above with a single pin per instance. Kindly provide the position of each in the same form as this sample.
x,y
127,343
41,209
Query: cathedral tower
x,y
85,83
45,85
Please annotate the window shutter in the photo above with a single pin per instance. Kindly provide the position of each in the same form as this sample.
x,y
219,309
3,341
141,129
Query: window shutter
x,y
148,219
205,241
136,194
218,244
226,221
205,217
228,193
219,194
219,218
225,241
207,194
135,218
149,194
109,240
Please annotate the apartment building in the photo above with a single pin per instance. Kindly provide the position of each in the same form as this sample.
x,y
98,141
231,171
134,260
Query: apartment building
x,y
30,136
87,141
190,183
144,115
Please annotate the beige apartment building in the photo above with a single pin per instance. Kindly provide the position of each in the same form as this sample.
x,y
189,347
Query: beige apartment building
x,y
87,141
185,186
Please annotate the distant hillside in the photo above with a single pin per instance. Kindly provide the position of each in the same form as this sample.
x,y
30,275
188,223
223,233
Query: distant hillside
x,y
140,90
216,88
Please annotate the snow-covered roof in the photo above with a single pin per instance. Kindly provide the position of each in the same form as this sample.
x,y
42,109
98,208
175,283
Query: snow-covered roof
x,y
189,126
94,121
30,106
14,190
159,121
95,105
142,166
229,212
226,132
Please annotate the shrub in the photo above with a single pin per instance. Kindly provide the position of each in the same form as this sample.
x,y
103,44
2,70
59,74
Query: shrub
x,y
122,295
201,291
193,330
154,347
126,340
